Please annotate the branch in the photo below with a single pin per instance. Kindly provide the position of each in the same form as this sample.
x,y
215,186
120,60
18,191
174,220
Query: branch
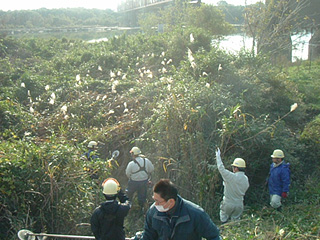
x,y
293,108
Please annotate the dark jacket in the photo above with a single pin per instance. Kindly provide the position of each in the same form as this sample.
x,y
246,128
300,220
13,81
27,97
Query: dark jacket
x,y
107,220
90,155
188,222
279,178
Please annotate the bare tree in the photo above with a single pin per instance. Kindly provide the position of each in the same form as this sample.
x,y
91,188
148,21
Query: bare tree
x,y
271,25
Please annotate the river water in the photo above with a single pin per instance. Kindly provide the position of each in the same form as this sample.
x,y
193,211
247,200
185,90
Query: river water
x,y
232,43
237,42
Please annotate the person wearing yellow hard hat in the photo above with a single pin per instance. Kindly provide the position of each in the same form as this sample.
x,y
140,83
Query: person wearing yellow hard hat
x,y
138,172
278,179
107,220
235,184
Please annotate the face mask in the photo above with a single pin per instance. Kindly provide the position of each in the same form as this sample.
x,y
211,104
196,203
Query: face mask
x,y
160,208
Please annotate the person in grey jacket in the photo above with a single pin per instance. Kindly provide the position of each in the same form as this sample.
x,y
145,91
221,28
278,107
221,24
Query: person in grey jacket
x,y
235,184
139,172
172,217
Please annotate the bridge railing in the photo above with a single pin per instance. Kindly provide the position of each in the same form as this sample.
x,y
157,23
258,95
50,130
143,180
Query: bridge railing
x,y
129,5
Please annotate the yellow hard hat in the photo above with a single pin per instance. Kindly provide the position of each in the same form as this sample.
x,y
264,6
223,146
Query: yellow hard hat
x,y
135,151
110,186
239,162
277,154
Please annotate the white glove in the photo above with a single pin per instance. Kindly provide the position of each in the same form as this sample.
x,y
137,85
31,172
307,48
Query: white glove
x,y
218,157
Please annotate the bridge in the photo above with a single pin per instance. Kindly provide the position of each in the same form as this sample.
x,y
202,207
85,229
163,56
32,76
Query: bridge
x,y
135,5
130,9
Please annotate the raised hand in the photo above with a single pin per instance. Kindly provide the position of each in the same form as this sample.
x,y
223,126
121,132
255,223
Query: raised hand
x,y
218,153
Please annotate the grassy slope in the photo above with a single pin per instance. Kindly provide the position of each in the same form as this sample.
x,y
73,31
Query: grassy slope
x,y
300,216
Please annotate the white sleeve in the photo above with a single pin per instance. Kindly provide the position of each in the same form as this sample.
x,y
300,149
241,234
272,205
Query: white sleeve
x,y
128,170
149,167
226,174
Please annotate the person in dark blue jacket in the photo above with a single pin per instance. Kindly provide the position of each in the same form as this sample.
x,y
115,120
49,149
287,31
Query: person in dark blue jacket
x,y
172,217
279,179
91,155
108,219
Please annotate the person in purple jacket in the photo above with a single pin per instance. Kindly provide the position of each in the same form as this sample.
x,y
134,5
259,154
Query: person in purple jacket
x,y
279,179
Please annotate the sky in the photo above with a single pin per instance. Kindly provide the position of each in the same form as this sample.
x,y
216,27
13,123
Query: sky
x,y
10,5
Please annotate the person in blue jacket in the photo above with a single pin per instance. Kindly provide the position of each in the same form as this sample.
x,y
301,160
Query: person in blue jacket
x,y
279,179
172,217
91,155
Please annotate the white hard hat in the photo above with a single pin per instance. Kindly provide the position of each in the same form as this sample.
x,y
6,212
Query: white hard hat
x,y
239,162
110,186
92,144
277,154
135,151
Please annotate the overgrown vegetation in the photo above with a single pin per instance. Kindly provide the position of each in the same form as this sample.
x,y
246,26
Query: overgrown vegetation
x,y
175,96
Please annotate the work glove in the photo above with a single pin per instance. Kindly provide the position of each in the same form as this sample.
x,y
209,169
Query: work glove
x,y
284,195
218,157
122,196
150,184
138,235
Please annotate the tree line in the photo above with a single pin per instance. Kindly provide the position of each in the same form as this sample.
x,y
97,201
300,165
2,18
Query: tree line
x,y
49,18
71,17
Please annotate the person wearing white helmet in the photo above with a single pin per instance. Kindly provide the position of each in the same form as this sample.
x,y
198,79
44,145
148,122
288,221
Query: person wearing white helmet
x,y
235,184
278,179
107,220
91,153
139,172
